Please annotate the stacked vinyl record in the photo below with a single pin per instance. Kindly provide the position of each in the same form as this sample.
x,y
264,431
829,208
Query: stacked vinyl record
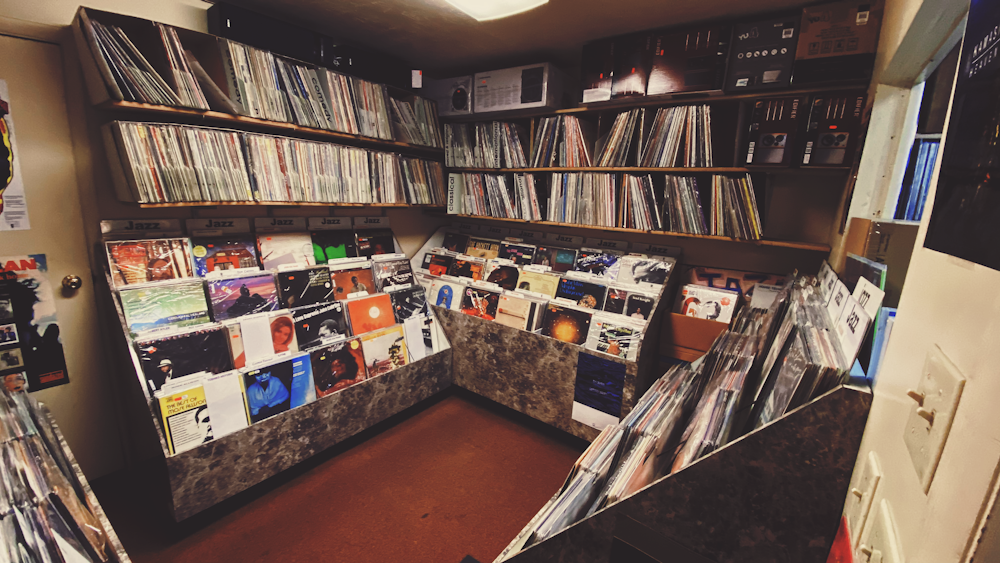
x,y
734,208
561,141
582,198
486,145
680,136
509,196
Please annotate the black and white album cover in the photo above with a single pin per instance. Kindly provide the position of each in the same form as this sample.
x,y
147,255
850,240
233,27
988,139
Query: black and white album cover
x,y
392,274
409,302
316,323
299,288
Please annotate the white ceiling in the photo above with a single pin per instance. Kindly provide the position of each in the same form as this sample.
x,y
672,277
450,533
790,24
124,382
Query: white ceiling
x,y
434,36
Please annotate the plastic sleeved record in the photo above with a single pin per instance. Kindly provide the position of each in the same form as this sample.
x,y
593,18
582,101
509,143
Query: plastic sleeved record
x,y
384,350
353,280
480,302
245,295
467,267
370,313
164,306
298,288
177,355
584,294
559,259
503,273
568,324
221,253
375,241
337,366
392,274
331,245
278,387
142,261
446,294
408,303
277,249
315,324
602,263
437,264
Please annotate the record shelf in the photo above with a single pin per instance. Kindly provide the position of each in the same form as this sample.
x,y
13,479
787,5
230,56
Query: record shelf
x,y
775,494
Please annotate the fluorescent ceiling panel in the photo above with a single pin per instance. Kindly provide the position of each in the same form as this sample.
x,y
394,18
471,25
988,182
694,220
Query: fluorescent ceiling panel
x,y
484,10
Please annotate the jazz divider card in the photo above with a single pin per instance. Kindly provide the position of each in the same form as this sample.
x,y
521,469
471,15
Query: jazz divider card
x,y
299,288
285,248
214,254
597,399
175,305
235,297
370,313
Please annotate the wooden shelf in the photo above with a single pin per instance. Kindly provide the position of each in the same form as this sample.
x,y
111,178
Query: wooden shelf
x,y
283,204
809,246
609,169
682,98
251,124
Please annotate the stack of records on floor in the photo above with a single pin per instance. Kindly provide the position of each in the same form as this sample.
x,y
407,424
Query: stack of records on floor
x,y
507,196
492,144
261,85
46,515
734,208
598,299
769,362
681,136
583,198
165,163
563,140
230,331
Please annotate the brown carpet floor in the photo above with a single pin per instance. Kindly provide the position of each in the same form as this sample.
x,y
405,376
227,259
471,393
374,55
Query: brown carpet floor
x,y
452,477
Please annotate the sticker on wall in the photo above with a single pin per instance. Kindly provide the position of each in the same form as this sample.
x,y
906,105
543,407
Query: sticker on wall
x,y
30,329
13,207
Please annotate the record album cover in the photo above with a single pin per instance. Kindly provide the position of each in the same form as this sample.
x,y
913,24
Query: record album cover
x,y
224,253
437,264
646,271
298,288
370,313
639,307
615,302
375,241
172,305
258,338
516,312
446,294
472,269
385,350
166,358
279,387
408,303
480,303
598,69
352,280
689,60
277,249
545,284
331,245
283,332
504,275
141,261
245,295
559,259
455,242
337,366
316,323
520,254
585,294
603,263
707,303
566,323
486,249
392,274
614,337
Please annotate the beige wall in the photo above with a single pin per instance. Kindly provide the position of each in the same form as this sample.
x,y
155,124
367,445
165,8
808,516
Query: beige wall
x,y
953,304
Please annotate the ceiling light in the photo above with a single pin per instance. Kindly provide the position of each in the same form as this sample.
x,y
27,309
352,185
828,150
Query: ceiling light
x,y
484,10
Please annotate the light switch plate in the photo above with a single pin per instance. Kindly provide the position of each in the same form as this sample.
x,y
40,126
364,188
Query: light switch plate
x,y
934,403
859,499
881,543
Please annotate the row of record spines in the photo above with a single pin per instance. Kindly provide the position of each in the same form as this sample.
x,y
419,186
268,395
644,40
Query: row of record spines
x,y
636,202
268,86
506,196
494,144
166,163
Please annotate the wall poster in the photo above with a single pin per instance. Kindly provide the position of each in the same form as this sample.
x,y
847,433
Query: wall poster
x,y
13,207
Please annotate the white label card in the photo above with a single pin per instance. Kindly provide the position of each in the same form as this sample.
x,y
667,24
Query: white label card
x,y
838,300
384,257
329,223
371,222
851,328
537,268
141,228
527,236
213,227
869,296
827,280
279,224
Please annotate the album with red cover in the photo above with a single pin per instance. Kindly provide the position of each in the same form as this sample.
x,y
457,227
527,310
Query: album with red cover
x,y
370,313
480,302
354,279
437,264
337,366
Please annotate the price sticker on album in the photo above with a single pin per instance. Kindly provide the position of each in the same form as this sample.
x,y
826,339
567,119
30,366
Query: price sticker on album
x,y
851,328
869,296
